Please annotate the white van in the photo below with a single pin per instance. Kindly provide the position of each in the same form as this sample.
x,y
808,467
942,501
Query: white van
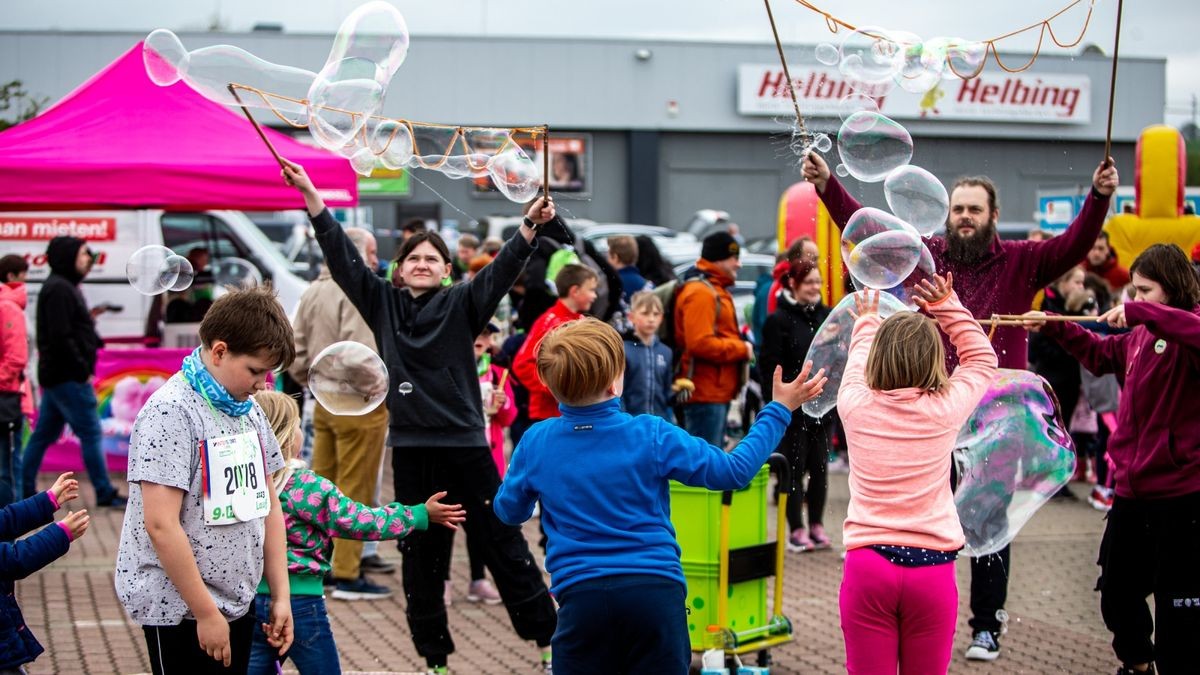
x,y
115,235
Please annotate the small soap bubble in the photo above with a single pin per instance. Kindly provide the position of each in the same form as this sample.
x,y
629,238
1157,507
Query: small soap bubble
x,y
152,270
827,54
348,378
236,272
405,388
841,170
186,272
871,55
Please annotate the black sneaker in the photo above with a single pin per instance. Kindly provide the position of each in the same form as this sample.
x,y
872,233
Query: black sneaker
x,y
116,501
329,580
1130,670
360,589
984,647
376,565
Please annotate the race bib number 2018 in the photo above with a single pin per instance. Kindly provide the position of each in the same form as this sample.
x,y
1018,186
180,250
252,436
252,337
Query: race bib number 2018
x,y
236,483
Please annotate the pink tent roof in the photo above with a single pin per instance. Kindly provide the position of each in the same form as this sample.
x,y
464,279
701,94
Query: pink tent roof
x,y
121,141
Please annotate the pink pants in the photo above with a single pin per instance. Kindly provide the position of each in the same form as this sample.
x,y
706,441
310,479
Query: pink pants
x,y
895,616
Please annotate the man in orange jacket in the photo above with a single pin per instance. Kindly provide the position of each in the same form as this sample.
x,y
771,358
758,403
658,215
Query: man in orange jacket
x,y
713,353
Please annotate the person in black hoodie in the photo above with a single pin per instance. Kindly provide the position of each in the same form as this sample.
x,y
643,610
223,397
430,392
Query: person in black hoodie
x,y
67,344
426,335
787,335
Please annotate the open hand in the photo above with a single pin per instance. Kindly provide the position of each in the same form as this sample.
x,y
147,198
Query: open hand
x,y
77,522
65,488
815,170
1105,179
279,631
932,292
295,176
448,515
793,394
1033,321
865,302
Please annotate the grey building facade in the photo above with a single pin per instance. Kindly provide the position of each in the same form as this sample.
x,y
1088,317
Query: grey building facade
x,y
671,127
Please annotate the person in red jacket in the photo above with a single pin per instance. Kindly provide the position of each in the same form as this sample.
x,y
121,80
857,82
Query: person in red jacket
x,y
1151,543
992,277
15,399
1102,261
576,286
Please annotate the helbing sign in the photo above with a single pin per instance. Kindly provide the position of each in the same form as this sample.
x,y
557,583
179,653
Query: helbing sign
x,y
991,97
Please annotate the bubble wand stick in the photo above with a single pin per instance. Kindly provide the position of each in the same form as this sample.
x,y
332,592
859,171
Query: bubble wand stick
x,y
783,61
1112,86
257,127
546,166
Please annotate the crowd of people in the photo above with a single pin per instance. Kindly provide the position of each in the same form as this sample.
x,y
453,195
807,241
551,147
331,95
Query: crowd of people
x,y
537,376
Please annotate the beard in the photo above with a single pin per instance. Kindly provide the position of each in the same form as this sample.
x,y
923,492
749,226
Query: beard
x,y
971,249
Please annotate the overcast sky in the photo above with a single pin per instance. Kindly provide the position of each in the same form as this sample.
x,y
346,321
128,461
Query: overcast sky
x,y
1164,28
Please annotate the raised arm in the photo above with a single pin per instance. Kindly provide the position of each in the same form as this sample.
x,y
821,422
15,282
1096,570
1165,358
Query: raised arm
x,y
837,201
489,286
977,360
853,389
1175,325
1053,257
1099,355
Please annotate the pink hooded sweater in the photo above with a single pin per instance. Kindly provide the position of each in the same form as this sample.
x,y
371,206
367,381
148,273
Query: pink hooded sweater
x,y
900,440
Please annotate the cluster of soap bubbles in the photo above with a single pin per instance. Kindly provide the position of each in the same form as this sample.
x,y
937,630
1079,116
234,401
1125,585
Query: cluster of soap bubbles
x,y
153,270
342,104
883,58
1012,455
348,378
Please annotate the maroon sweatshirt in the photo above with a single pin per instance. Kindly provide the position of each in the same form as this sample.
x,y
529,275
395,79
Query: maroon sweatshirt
x,y
1156,447
1006,281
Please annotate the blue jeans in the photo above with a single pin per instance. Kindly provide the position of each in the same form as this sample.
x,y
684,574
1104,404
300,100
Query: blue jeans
x,y
72,403
314,650
707,421
10,461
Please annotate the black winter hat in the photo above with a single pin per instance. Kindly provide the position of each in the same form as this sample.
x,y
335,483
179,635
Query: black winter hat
x,y
719,246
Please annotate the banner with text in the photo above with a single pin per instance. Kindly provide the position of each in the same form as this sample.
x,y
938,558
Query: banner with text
x,y
991,97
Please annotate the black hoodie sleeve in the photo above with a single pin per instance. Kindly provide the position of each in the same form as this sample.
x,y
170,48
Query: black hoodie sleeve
x,y
365,290
61,334
483,293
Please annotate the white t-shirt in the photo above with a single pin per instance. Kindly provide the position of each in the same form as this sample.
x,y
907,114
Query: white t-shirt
x,y
165,449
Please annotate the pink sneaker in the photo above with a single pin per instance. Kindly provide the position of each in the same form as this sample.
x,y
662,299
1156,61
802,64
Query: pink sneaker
x,y
482,590
820,541
799,541
448,594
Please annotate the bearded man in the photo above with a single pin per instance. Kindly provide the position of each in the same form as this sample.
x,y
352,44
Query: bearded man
x,y
991,276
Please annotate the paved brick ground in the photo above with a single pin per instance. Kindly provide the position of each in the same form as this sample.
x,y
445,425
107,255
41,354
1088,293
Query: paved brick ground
x,y
1055,624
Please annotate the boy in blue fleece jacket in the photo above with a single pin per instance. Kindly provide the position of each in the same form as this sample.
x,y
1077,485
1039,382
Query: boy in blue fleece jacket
x,y
602,478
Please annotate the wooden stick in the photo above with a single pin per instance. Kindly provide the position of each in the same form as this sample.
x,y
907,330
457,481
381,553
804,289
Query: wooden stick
x,y
503,379
546,165
257,127
783,61
1048,317
1112,85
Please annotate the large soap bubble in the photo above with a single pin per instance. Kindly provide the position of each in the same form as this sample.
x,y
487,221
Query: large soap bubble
x,y
923,65
348,378
879,249
905,291
374,32
831,346
152,270
872,145
344,94
965,58
1013,454
884,260
871,55
515,175
918,198
165,57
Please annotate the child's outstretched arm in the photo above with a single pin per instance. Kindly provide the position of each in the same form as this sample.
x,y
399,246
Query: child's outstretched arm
x,y
693,461
854,388
319,502
1100,355
19,559
20,517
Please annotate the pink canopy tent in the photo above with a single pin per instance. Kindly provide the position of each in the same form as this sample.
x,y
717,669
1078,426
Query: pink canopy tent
x,y
121,141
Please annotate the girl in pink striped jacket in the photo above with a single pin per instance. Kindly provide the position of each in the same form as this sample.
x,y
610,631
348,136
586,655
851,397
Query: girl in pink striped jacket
x,y
902,413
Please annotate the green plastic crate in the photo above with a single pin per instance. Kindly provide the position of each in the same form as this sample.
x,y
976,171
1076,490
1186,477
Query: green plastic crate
x,y
747,604
696,515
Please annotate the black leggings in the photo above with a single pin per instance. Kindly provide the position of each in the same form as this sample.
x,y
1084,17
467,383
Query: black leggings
x,y
469,477
806,445
176,649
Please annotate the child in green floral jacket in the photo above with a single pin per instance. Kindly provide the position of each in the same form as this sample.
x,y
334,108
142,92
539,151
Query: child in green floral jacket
x,y
315,512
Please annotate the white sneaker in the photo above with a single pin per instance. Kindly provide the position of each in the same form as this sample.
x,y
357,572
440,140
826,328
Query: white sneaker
x,y
984,647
